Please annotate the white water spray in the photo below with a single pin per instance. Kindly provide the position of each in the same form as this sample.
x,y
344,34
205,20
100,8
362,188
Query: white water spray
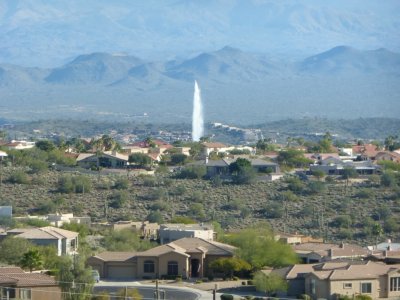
x,y
197,118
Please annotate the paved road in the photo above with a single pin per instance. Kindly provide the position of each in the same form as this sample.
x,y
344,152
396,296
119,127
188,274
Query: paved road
x,y
147,291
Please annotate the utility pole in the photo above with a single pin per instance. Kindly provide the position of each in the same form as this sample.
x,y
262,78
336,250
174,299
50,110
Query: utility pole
x,y
157,292
126,293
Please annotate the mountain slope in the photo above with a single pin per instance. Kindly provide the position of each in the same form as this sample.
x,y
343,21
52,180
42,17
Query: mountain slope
x,y
94,68
344,59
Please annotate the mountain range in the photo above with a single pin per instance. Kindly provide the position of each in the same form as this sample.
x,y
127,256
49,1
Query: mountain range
x,y
237,85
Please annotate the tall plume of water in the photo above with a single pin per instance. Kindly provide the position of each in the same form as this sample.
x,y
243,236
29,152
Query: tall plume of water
x,y
197,118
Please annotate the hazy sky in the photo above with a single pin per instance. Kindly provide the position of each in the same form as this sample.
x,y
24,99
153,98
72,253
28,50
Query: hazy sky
x,y
47,33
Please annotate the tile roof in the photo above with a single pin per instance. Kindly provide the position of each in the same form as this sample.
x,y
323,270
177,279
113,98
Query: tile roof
x,y
18,277
368,271
48,232
213,248
116,256
214,145
164,249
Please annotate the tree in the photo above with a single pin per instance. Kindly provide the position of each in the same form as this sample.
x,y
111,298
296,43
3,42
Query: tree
x,y
12,249
74,278
349,172
178,159
229,266
124,240
155,217
242,171
292,158
140,159
192,172
257,246
32,260
388,179
319,174
269,283
45,145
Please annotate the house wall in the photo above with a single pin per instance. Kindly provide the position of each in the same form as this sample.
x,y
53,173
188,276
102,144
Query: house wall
x,y
42,293
322,288
386,282
337,287
182,260
296,287
140,267
98,265
167,236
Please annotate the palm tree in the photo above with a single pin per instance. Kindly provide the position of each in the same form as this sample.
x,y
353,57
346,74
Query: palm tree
x,y
32,260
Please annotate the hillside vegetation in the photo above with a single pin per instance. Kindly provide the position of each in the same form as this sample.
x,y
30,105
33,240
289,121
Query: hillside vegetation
x,y
364,210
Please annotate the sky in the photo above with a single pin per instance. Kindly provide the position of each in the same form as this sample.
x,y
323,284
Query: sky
x,y
49,33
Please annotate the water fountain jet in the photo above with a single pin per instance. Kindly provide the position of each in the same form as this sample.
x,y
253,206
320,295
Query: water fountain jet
x,y
197,118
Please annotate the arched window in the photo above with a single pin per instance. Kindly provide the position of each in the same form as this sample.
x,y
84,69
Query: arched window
x,y
148,266
172,268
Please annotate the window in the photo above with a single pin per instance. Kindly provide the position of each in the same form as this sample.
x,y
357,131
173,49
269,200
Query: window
x,y
347,285
148,266
312,286
366,288
25,294
395,284
172,268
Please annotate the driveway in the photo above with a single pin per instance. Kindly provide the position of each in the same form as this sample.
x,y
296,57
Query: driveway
x,y
147,290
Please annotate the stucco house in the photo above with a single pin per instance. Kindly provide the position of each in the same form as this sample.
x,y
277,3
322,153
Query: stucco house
x,y
221,166
331,279
172,232
321,252
65,241
106,159
186,257
16,284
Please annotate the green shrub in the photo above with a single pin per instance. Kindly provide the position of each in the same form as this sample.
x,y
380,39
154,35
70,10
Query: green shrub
x,y
19,177
121,184
226,297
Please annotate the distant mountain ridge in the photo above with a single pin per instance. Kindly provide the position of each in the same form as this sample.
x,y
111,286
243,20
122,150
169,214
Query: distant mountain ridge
x,y
225,65
237,86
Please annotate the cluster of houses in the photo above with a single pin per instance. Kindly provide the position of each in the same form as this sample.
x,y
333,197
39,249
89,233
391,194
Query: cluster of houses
x,y
362,158
186,250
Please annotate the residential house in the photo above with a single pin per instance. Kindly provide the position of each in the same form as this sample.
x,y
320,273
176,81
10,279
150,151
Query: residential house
x,y
186,257
208,147
335,166
295,238
16,284
319,157
221,166
387,155
58,219
329,280
106,159
376,280
19,145
172,232
65,241
320,252
365,152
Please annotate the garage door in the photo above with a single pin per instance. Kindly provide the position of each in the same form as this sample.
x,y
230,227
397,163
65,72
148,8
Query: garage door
x,y
121,272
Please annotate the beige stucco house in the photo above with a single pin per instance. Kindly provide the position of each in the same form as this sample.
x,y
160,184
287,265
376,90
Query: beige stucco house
x,y
16,284
331,279
186,257
65,241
